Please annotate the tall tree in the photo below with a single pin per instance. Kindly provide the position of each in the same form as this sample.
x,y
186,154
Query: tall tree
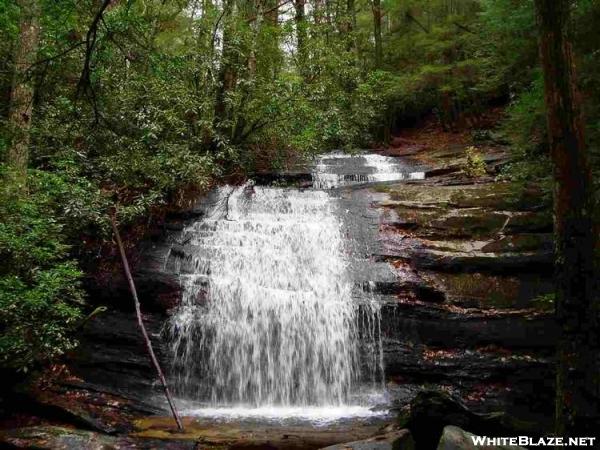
x,y
301,34
21,101
348,24
376,6
351,11
228,67
578,371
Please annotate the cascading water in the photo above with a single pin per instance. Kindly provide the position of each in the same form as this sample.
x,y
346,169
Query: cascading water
x,y
268,317
340,169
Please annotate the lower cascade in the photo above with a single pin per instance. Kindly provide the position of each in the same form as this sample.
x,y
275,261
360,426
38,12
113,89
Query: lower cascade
x,y
268,316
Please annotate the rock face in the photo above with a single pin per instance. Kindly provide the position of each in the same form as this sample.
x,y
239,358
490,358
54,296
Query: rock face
x,y
397,440
454,438
471,314
112,357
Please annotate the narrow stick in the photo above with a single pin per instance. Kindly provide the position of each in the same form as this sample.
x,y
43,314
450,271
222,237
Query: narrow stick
x,y
141,322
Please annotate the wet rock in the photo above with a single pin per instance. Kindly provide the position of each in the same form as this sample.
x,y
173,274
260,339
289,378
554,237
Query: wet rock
x,y
292,179
49,403
421,362
422,290
437,326
215,434
51,437
431,411
112,358
478,261
524,242
60,438
158,291
454,438
445,170
108,382
396,440
496,196
489,291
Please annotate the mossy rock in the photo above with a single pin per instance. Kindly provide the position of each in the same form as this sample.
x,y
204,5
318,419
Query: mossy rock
x,y
473,223
249,435
52,437
526,242
488,291
500,196
62,438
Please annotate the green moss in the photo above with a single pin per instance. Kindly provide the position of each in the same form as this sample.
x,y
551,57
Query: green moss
x,y
491,291
472,223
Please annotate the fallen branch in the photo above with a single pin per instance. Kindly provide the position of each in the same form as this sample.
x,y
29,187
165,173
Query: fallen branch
x,y
140,321
412,18
464,28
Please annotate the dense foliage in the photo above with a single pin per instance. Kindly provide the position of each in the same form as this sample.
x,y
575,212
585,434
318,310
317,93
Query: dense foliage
x,y
138,102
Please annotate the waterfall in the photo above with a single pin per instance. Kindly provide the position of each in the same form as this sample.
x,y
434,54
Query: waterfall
x,y
268,316
340,169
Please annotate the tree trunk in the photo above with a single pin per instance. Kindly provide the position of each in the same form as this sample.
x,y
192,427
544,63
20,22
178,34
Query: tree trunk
x,y
347,24
578,368
377,33
351,11
301,35
270,55
140,320
318,11
21,101
227,71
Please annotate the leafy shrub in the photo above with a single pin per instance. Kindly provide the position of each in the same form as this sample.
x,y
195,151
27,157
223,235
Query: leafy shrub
x,y
525,123
40,295
474,165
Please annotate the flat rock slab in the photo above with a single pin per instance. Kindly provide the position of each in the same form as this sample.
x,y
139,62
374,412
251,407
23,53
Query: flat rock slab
x,y
60,438
397,440
248,435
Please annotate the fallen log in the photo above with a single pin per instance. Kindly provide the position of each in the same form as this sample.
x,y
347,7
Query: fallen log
x,y
140,321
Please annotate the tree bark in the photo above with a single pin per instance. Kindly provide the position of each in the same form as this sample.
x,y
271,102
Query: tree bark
x,y
578,365
22,92
351,11
140,321
227,71
376,6
301,35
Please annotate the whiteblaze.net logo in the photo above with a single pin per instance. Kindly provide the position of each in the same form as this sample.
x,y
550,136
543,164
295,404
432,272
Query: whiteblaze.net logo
x,y
526,441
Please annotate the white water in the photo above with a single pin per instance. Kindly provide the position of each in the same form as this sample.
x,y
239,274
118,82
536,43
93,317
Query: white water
x,y
267,324
340,169
313,415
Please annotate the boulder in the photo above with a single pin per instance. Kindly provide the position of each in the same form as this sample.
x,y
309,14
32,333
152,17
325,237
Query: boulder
x,y
396,440
431,411
454,438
